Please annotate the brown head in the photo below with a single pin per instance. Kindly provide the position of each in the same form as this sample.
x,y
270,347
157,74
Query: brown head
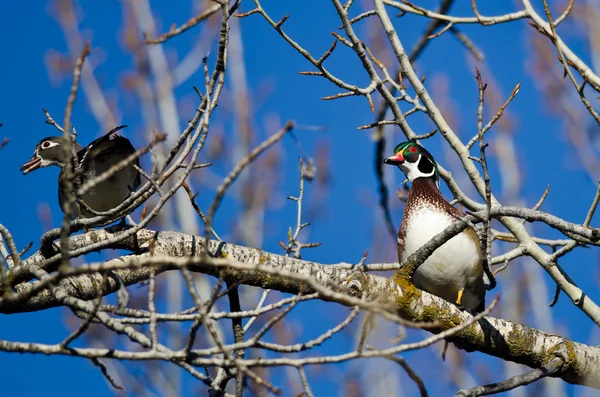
x,y
49,151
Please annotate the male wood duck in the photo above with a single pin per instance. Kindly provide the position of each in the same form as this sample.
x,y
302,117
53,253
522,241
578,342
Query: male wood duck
x,y
454,271
92,160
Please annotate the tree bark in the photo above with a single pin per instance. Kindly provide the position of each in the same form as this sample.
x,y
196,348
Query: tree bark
x,y
168,251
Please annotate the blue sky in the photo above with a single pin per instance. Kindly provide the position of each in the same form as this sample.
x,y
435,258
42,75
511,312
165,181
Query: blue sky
x,y
350,220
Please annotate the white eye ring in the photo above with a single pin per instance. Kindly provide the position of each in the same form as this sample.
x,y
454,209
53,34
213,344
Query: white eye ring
x,y
48,144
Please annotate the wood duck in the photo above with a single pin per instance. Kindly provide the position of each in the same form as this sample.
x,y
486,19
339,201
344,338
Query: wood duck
x,y
92,160
454,271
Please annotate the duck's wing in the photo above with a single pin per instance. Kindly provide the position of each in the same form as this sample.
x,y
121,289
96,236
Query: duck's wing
x,y
102,144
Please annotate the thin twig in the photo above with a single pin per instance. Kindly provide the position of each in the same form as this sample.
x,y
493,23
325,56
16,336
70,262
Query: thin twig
x,y
304,381
104,371
229,179
69,168
468,43
175,31
540,201
550,368
238,336
152,307
199,211
259,305
592,210
486,242
554,38
51,121
496,117
411,374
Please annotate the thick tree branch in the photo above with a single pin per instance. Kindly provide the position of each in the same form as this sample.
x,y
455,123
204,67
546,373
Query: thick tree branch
x,y
251,266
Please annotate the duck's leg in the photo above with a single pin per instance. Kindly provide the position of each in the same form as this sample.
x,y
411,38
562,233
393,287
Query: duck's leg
x,y
458,302
460,295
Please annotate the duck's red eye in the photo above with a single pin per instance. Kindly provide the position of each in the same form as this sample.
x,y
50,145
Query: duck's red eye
x,y
412,149
46,144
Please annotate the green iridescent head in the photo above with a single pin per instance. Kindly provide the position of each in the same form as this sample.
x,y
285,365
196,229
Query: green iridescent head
x,y
415,161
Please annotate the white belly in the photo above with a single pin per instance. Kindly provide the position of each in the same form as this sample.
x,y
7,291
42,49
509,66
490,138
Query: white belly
x,y
451,267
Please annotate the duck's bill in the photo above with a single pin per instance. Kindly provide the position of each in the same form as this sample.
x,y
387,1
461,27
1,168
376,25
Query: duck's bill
x,y
33,164
396,159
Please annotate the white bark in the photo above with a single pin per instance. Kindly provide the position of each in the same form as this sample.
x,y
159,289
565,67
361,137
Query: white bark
x,y
251,266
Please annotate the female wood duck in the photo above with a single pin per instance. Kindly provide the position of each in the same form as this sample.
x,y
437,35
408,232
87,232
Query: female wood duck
x,y
92,160
454,271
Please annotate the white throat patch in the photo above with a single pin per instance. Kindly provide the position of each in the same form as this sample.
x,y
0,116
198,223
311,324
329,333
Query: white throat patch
x,y
411,170
46,163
